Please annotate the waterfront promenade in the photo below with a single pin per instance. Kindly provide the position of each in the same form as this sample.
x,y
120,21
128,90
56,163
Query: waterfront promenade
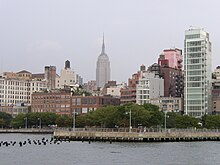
x,y
28,130
150,135
124,135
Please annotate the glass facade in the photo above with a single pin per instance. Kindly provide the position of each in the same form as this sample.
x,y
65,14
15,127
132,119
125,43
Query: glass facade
x,y
197,73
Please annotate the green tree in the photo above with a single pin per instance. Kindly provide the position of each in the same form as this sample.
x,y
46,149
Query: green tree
x,y
5,119
150,107
64,121
33,119
18,121
156,118
211,121
186,121
171,119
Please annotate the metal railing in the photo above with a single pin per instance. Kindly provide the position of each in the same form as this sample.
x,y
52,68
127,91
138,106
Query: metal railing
x,y
141,130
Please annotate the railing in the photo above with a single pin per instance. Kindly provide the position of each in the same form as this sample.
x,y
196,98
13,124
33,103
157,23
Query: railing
x,y
133,130
140,130
26,130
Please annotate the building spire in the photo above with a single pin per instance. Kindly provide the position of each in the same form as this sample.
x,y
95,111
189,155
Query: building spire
x,y
103,45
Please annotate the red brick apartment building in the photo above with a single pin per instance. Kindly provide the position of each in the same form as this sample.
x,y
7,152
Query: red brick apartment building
x,y
59,103
64,104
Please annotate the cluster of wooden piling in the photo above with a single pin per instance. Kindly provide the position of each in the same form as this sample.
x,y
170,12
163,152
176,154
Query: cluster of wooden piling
x,y
35,142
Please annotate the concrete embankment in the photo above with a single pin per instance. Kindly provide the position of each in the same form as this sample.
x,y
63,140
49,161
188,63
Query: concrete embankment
x,y
136,137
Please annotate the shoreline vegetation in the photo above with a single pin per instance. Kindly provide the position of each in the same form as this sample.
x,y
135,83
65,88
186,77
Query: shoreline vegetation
x,y
133,116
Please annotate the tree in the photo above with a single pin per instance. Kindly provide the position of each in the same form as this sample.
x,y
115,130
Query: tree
x,y
211,121
150,107
64,121
5,119
186,121
46,118
18,121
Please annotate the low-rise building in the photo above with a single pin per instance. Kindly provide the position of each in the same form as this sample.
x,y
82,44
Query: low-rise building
x,y
168,104
63,103
85,104
14,110
59,102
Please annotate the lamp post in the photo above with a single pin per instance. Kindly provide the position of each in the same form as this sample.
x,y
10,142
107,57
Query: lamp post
x,y
129,120
74,119
39,122
165,121
25,122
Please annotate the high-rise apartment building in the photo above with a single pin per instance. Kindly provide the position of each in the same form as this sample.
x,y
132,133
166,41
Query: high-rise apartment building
x,y
102,68
197,72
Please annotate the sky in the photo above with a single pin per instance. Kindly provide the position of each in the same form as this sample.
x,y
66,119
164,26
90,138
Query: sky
x,y
39,33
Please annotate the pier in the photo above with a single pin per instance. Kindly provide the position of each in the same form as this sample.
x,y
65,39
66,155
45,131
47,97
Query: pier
x,y
28,130
153,136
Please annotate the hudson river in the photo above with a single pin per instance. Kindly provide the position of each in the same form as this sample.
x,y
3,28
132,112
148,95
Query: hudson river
x,y
104,153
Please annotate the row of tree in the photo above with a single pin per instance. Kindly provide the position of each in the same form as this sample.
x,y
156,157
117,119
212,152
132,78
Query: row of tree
x,y
146,115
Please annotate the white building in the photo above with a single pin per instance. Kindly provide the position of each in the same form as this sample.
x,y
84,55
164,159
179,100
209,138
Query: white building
x,y
13,91
149,87
102,68
67,77
197,72
115,91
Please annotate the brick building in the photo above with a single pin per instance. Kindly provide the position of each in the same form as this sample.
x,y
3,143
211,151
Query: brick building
x,y
61,102
128,94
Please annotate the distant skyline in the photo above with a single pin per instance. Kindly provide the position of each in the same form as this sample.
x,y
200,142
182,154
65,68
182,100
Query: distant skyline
x,y
49,32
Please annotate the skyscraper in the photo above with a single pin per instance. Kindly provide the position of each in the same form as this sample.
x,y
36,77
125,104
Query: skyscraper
x,y
102,68
197,72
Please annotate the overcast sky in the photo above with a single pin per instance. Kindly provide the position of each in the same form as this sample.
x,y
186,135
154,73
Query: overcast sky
x,y
36,33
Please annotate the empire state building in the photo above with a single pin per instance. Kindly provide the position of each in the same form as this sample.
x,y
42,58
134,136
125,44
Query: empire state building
x,y
102,68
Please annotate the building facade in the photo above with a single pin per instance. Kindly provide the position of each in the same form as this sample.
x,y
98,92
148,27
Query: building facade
x,y
66,78
197,73
169,104
173,79
149,87
85,104
14,91
50,76
173,82
216,91
102,68
128,94
172,58
56,102
63,103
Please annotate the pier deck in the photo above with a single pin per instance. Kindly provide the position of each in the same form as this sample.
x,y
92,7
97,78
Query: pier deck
x,y
168,136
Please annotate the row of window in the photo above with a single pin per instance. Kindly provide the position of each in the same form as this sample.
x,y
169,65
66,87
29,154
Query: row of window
x,y
24,84
51,106
52,97
13,101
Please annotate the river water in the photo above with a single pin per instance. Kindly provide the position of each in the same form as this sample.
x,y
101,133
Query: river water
x,y
104,153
